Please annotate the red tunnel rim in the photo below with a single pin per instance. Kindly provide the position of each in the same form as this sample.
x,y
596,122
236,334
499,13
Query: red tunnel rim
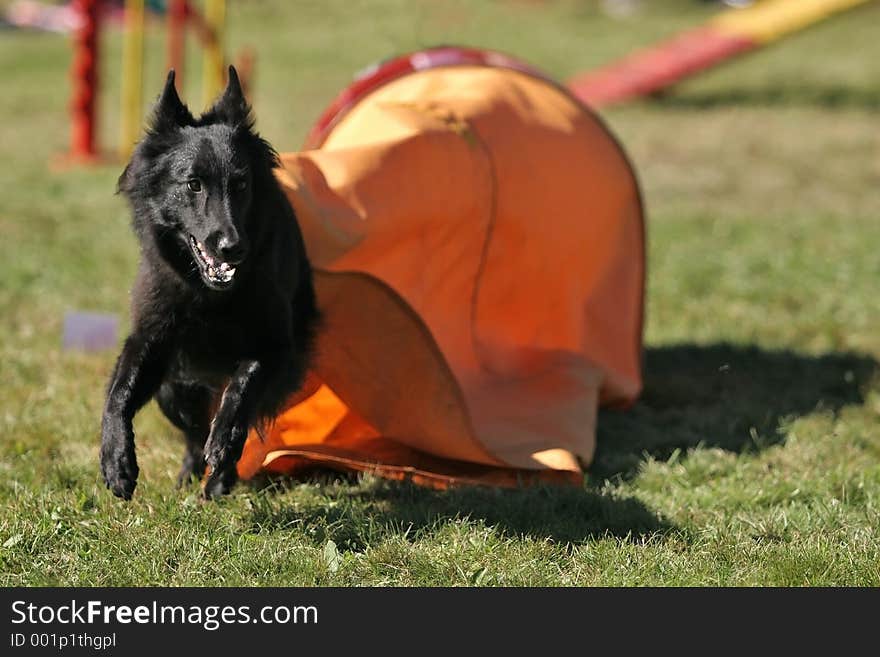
x,y
379,74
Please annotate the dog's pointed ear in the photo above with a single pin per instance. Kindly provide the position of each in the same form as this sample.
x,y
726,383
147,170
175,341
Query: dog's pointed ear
x,y
170,112
123,185
232,107
233,91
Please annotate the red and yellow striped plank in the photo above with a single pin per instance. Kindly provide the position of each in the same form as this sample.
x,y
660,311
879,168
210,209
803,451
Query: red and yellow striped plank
x,y
732,33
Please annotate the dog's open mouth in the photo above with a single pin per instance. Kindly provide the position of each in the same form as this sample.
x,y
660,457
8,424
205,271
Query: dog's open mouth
x,y
216,273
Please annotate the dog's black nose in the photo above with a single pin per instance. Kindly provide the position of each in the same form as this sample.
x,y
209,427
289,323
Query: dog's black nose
x,y
231,250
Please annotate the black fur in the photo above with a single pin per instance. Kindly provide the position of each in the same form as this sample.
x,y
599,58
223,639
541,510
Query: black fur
x,y
219,351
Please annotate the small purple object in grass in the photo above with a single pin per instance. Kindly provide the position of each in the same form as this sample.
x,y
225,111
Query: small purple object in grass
x,y
89,331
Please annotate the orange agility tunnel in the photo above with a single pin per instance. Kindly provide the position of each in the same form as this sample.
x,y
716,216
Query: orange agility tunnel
x,y
478,243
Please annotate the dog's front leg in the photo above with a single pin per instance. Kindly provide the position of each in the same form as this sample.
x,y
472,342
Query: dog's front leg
x,y
231,424
257,390
136,377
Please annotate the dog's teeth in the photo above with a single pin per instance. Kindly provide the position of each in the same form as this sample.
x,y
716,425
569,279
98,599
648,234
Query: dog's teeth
x,y
230,272
224,266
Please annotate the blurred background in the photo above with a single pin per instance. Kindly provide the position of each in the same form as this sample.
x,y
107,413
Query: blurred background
x,y
761,179
768,164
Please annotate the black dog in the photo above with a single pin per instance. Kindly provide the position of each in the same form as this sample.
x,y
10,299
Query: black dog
x,y
223,308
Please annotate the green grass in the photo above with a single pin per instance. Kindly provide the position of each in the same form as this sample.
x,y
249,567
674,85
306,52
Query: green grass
x,y
753,457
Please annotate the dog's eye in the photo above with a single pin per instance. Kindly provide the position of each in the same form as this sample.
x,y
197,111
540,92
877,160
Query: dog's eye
x,y
241,185
194,185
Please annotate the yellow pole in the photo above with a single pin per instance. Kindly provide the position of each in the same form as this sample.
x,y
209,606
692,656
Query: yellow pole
x,y
212,65
132,77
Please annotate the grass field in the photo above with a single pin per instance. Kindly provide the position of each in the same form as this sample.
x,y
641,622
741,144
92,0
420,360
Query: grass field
x,y
753,457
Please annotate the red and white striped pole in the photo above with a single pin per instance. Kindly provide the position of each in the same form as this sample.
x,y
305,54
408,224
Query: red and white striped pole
x,y
84,73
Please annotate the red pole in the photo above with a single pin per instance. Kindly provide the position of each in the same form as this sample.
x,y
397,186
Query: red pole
x,y
85,82
177,11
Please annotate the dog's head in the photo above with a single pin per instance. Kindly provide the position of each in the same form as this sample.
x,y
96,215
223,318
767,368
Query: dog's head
x,y
193,184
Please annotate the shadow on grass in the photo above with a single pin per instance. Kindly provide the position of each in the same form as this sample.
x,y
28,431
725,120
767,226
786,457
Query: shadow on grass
x,y
720,395
826,97
360,515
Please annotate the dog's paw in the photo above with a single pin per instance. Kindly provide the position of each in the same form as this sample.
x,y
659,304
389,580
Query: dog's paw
x,y
119,467
222,451
224,447
219,483
192,468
